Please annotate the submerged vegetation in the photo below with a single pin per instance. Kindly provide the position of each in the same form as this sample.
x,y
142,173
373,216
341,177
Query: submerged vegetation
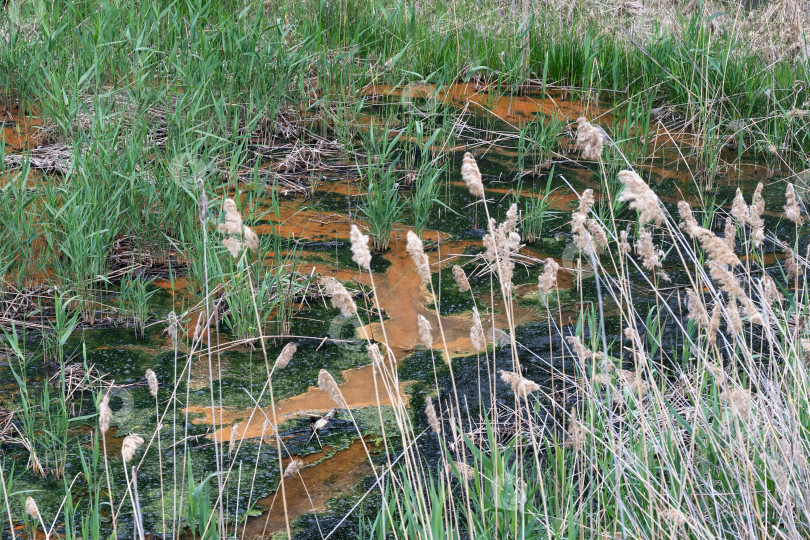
x,y
345,269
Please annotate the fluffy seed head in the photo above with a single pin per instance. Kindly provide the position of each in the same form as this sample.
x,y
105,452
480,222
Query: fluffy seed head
x,y
327,384
521,386
471,175
31,508
373,351
425,331
293,467
792,210
151,379
589,140
286,355
174,323
548,279
340,297
461,278
416,250
432,419
130,445
360,251
641,198
739,209
104,414
477,331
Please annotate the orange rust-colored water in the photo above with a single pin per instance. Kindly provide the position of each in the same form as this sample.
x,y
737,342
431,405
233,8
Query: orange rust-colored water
x,y
514,110
311,489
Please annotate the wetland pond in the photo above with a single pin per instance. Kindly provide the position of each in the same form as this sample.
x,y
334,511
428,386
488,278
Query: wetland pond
x,y
220,385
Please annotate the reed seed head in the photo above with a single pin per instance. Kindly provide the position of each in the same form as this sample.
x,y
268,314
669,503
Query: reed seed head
x,y
730,233
548,279
360,251
461,278
293,468
373,351
425,331
416,250
650,255
471,175
466,472
477,331
104,414
432,419
327,384
233,245
31,508
174,323
130,445
340,297
232,438
755,212
286,355
641,198
792,210
739,209
521,386
251,239
589,140
152,381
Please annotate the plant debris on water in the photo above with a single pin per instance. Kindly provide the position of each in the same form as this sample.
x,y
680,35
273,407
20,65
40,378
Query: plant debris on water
x,y
410,269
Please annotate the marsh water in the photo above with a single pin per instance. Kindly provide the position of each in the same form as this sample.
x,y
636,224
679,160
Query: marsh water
x,y
336,472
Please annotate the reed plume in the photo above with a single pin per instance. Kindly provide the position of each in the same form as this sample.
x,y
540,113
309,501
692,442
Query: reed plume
x,y
501,243
433,420
730,233
471,175
152,381
416,250
174,323
425,331
360,251
589,140
755,212
588,234
238,235
739,209
477,331
461,278
130,445
31,508
339,296
521,386
373,351
327,384
104,414
548,279
650,255
641,198
792,210
285,356
293,468
232,438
